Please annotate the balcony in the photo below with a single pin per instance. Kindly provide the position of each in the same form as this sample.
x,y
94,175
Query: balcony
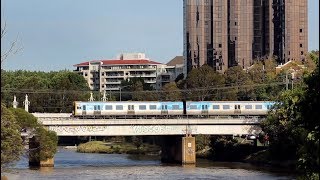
x,y
112,88
142,75
113,82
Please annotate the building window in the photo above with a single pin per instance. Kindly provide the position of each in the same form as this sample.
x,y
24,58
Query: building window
x,y
300,45
235,38
235,23
301,52
301,30
85,74
220,45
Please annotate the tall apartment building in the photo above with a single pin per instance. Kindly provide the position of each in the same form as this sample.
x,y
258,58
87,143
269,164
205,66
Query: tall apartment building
x,y
225,33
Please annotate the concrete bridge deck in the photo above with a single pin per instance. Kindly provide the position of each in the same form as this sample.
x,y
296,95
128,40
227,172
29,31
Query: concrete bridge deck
x,y
65,125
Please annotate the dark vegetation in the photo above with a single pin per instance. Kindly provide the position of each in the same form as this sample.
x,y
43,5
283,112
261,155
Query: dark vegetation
x,y
293,127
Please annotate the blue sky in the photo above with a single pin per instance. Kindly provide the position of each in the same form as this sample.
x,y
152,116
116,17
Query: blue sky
x,y
55,35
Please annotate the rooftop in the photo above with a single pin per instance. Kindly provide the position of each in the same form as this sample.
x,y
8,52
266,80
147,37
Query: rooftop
x,y
176,60
119,62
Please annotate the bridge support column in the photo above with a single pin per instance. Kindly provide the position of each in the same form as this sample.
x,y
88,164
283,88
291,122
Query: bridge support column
x,y
177,149
188,150
34,155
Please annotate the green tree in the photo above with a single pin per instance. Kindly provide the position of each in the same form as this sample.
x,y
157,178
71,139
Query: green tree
x,y
201,81
11,142
202,141
243,90
24,119
293,127
136,89
137,141
308,106
47,91
47,140
171,92
138,94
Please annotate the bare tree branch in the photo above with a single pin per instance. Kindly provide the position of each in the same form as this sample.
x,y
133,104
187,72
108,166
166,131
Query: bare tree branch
x,y
13,49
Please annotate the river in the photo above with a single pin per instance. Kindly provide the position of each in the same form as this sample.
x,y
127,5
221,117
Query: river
x,y
72,165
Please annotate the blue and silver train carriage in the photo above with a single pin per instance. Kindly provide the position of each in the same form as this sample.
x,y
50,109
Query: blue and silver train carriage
x,y
127,108
228,107
158,108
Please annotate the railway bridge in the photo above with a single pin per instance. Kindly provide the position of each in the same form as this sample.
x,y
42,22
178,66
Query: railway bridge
x,y
65,125
178,146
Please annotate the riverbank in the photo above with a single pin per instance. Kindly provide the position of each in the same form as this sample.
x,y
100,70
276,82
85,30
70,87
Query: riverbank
x,y
118,148
245,153
263,158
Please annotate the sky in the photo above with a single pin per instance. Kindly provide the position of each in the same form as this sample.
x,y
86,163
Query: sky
x,y
55,35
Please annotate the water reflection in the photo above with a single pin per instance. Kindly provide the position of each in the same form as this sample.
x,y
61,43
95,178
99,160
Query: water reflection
x,y
72,165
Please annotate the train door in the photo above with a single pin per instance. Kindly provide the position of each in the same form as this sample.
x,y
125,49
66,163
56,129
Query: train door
x,y
237,109
96,110
164,109
84,110
131,110
204,109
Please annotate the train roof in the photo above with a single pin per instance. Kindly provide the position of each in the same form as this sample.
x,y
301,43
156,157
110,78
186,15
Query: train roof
x,y
176,101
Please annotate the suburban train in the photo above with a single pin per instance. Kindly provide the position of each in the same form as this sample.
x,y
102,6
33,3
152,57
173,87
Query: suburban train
x,y
114,109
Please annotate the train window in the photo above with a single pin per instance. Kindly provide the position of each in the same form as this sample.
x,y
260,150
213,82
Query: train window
x,y
193,106
119,107
175,107
236,106
248,106
216,107
225,106
258,106
84,107
164,107
78,107
152,107
108,107
142,107
130,107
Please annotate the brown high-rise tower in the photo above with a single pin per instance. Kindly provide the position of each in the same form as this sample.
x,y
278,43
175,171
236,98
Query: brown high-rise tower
x,y
225,33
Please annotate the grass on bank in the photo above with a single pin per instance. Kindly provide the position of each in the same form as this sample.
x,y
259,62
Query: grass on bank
x,y
116,148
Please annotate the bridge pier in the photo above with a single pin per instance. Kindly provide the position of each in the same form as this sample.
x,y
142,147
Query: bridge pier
x,y
188,150
34,155
178,149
